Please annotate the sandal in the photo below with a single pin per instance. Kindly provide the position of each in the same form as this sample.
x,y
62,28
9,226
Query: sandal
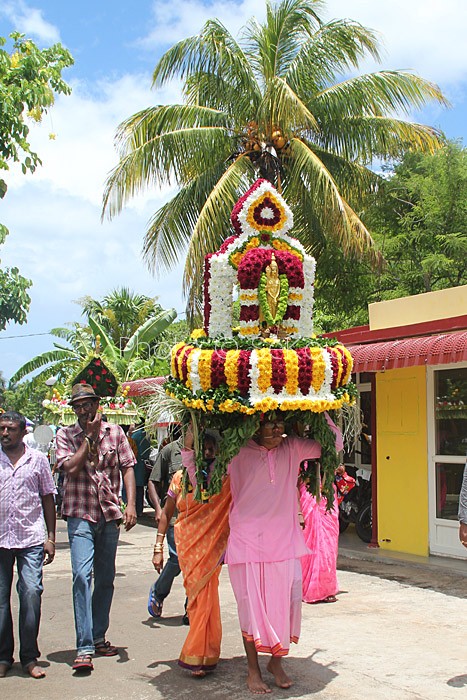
x,y
105,649
83,663
154,607
330,599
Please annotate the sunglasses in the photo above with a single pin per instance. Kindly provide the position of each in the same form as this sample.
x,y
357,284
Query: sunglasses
x,y
85,406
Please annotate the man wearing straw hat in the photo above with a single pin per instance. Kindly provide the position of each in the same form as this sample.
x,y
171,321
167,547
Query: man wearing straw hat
x,y
94,455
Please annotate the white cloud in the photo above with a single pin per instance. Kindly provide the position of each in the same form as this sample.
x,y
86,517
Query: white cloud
x,y
427,36
29,20
79,158
184,18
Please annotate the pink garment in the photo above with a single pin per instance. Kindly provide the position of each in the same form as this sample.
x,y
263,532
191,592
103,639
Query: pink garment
x,y
255,585
21,489
322,537
264,512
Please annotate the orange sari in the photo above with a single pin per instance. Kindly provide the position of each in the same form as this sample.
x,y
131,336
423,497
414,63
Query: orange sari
x,y
201,533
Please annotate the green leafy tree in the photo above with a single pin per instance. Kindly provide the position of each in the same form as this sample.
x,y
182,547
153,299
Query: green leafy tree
x,y
14,297
418,219
26,398
280,104
29,80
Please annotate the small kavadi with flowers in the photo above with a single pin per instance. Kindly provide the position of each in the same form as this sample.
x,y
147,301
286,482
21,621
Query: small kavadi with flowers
x,y
229,374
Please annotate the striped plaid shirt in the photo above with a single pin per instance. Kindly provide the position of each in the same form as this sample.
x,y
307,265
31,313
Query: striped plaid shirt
x,y
21,489
94,491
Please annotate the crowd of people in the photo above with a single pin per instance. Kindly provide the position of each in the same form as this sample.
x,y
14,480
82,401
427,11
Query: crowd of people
x,y
278,541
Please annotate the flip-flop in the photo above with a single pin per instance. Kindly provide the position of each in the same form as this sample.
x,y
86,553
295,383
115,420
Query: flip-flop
x,y
330,599
105,649
83,663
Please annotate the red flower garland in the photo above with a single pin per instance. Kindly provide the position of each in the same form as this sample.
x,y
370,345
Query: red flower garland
x,y
187,351
217,368
335,367
290,265
251,266
305,369
292,312
177,355
244,379
239,205
278,370
249,313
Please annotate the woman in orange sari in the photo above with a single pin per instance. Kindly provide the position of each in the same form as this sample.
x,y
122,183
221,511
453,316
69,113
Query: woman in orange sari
x,y
201,533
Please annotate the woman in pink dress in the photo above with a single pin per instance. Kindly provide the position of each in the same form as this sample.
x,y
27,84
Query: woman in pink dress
x,y
265,546
319,575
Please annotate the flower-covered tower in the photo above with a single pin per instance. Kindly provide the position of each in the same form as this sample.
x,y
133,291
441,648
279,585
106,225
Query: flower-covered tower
x,y
271,361
261,219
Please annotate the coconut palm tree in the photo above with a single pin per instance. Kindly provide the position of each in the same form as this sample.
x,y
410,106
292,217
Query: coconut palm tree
x,y
280,103
121,312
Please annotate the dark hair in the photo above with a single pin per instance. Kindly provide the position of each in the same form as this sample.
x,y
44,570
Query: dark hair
x,y
14,417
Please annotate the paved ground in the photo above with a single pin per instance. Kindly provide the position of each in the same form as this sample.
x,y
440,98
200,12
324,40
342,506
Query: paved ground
x,y
397,634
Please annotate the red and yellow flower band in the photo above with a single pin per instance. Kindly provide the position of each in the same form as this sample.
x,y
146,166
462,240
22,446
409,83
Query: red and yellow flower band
x,y
308,378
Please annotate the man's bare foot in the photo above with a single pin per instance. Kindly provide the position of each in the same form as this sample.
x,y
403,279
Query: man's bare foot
x,y
4,668
281,678
34,670
256,684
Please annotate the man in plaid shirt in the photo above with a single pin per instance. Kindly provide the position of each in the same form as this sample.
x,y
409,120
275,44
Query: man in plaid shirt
x,y
93,455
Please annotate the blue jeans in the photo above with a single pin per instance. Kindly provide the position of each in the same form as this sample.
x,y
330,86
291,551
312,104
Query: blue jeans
x,y
93,548
29,563
171,569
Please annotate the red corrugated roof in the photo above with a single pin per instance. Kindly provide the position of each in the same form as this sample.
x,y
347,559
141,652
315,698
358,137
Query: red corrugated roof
x,y
143,387
441,349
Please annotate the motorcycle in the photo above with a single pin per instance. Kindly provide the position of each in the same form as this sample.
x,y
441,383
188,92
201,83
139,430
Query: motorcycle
x,y
355,506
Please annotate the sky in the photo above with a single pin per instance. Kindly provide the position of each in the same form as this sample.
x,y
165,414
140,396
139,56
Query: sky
x,y
57,238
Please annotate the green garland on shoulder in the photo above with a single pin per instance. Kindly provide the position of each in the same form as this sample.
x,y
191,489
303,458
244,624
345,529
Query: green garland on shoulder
x,y
233,437
322,433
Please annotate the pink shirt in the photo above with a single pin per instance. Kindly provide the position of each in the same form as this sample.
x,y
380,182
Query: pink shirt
x,y
21,489
264,512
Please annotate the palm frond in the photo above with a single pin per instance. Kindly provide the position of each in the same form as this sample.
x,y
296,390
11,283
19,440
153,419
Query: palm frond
x,y
212,51
160,404
281,106
376,94
339,221
334,49
170,228
46,358
164,145
272,46
366,138
146,333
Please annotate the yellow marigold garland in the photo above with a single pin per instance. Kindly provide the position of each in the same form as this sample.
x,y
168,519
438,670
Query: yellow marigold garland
x,y
291,363
231,368
264,369
204,369
318,368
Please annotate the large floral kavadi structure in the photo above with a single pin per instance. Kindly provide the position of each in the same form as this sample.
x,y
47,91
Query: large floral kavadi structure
x,y
271,361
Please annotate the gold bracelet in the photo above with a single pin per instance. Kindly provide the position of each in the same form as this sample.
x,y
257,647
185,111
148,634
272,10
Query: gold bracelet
x,y
158,550
51,541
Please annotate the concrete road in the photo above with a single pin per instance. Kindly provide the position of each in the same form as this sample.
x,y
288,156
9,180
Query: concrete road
x,y
383,639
